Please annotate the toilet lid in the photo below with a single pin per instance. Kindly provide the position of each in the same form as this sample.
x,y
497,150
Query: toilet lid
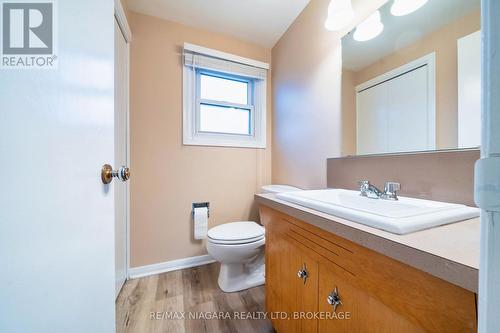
x,y
279,188
237,231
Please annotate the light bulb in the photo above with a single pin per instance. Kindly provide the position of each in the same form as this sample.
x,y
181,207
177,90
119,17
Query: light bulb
x,y
369,28
340,14
405,7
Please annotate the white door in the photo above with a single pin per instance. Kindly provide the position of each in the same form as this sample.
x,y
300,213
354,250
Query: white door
x,y
56,217
121,157
469,90
395,111
371,105
407,118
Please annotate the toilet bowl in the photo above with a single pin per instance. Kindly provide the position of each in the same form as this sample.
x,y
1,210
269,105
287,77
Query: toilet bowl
x,y
239,247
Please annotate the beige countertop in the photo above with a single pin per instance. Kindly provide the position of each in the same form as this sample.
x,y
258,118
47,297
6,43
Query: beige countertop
x,y
449,252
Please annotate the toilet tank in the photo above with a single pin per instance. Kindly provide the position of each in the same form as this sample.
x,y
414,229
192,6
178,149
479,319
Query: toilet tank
x,y
278,188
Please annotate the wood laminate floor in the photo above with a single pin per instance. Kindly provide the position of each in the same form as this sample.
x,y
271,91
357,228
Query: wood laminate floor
x,y
158,303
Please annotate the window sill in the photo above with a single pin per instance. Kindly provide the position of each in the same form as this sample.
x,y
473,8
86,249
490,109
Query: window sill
x,y
231,143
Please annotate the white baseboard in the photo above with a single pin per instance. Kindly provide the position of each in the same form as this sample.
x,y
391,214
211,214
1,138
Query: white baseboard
x,y
168,266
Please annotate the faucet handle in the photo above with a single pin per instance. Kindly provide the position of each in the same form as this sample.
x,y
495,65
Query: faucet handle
x,y
392,186
391,189
364,183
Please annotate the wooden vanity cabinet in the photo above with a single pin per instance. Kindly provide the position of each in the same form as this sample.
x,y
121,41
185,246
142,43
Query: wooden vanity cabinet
x,y
377,293
289,297
300,294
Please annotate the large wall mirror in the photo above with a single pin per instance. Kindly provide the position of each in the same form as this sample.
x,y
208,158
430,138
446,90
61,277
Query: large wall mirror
x,y
411,78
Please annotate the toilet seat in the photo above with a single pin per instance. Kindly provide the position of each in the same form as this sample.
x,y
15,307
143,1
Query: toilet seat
x,y
236,233
239,247
279,188
235,242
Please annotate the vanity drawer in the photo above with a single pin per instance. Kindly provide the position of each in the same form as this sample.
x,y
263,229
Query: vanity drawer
x,y
328,249
328,246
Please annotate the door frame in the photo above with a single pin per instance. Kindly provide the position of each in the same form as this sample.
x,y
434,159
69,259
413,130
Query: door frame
x,y
121,19
487,174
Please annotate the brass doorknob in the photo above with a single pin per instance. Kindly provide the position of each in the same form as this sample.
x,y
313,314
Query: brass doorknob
x,y
107,173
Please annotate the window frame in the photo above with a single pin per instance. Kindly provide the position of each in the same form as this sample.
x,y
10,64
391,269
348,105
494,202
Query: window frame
x,y
199,101
257,96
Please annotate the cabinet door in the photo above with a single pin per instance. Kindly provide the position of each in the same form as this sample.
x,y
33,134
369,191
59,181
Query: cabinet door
x,y
358,311
275,251
299,298
343,318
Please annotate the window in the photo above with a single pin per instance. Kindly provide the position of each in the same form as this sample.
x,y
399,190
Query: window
x,y
224,99
225,104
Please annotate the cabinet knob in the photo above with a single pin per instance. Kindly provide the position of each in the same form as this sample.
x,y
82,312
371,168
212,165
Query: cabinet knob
x,y
334,299
302,273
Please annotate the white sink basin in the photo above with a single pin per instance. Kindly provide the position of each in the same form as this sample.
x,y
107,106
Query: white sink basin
x,y
400,217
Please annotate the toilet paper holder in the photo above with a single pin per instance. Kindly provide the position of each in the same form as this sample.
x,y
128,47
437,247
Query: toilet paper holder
x,y
201,205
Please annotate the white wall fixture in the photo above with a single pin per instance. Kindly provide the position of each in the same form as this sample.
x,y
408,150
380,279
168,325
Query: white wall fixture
x,y
340,14
369,28
405,7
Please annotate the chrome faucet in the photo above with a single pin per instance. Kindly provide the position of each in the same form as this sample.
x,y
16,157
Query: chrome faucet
x,y
371,191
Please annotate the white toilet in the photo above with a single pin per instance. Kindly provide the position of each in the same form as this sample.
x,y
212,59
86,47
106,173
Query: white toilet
x,y
239,247
279,189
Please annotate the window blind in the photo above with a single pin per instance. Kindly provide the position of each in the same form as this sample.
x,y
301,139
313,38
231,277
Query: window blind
x,y
197,60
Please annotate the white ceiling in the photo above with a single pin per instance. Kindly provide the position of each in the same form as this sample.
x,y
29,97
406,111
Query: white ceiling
x,y
262,22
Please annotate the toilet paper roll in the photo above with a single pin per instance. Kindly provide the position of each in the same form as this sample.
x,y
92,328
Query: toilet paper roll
x,y
200,222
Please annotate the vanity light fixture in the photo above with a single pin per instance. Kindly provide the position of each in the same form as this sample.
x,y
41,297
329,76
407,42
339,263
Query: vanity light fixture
x,y
405,7
369,28
340,14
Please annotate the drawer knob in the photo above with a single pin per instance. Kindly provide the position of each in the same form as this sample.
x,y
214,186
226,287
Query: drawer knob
x,y
334,299
302,273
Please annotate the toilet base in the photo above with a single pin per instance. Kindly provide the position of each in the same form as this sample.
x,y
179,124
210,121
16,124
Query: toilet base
x,y
238,276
